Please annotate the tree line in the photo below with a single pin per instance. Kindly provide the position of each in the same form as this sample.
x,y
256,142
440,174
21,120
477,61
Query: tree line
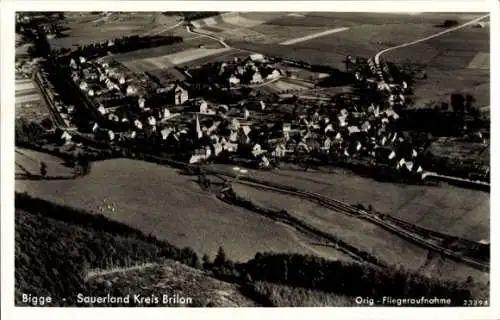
x,y
56,244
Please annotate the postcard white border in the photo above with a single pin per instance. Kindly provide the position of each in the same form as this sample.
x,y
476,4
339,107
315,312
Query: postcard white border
x,y
7,160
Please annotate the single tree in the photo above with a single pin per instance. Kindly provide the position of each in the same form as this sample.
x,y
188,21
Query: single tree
x,y
220,258
43,169
206,260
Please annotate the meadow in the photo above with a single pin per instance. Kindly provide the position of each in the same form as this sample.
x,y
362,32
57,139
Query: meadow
x,y
445,208
158,200
363,235
86,28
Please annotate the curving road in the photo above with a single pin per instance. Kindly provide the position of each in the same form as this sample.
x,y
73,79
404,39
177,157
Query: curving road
x,y
168,28
224,44
377,56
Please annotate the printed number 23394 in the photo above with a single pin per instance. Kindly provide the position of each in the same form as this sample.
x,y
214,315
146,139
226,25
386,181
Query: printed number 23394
x,y
475,303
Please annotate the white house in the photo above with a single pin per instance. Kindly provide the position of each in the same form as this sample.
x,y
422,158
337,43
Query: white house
x,y
231,147
257,57
392,155
203,107
102,110
358,146
257,150
166,132
342,120
264,162
131,90
262,105
233,136
366,126
273,75
141,102
279,151
66,137
256,78
84,86
234,81
327,144
353,130
246,114
180,95
138,124
235,125
218,148
166,113
111,135
152,121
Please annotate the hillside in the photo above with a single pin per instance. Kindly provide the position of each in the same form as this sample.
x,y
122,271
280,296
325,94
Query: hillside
x,y
169,284
60,250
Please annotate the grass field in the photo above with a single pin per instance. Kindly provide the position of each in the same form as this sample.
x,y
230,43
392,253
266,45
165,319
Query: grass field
x,y
361,234
280,86
448,209
449,62
29,101
86,28
158,200
457,61
166,50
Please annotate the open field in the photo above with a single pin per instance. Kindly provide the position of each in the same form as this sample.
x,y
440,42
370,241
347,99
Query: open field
x,y
447,209
29,101
159,201
190,57
166,50
223,56
456,149
334,19
86,28
450,62
361,234
480,61
280,86
193,54
456,61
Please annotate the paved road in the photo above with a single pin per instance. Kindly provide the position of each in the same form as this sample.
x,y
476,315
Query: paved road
x,y
377,56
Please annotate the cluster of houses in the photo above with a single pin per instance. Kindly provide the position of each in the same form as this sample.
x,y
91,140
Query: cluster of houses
x,y
253,70
123,99
209,130
354,131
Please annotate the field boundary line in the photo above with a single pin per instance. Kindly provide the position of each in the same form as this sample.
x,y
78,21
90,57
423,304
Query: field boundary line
x,y
407,44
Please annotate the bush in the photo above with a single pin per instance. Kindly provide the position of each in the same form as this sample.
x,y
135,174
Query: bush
x,y
450,23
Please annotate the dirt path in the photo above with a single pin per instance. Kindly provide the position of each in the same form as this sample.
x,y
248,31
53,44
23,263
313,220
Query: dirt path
x,y
313,36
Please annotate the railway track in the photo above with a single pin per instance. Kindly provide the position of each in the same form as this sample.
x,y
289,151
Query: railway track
x,y
424,238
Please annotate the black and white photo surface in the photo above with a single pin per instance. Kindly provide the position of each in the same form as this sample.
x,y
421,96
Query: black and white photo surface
x,y
252,159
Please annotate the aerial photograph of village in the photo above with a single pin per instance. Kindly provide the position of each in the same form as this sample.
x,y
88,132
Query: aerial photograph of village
x,y
252,159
